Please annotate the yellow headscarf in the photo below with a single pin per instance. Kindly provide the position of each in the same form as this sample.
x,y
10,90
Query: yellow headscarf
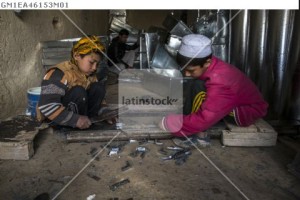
x,y
87,45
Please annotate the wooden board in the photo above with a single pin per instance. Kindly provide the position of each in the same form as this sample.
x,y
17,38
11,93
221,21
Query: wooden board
x,y
134,132
16,138
235,128
148,108
259,134
16,150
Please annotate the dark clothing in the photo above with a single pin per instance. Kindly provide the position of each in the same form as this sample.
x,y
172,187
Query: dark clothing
x,y
84,102
50,103
96,95
66,93
75,100
192,88
117,50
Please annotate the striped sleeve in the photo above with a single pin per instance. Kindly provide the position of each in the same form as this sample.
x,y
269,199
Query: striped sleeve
x,y
54,86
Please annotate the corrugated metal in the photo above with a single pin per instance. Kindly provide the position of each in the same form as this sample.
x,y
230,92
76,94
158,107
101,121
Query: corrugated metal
x,y
279,40
214,25
255,63
239,39
265,45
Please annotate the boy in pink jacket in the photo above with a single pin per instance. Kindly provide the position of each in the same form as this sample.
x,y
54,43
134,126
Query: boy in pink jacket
x,y
228,92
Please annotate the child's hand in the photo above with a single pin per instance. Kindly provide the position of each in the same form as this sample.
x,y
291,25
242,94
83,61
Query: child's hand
x,y
83,122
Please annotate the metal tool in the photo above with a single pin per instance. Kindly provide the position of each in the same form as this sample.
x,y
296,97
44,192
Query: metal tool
x,y
177,155
109,114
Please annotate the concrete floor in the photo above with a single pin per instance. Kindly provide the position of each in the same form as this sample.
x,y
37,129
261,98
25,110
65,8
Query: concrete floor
x,y
260,173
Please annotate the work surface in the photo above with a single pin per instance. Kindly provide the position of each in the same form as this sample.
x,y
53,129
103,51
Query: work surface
x,y
260,173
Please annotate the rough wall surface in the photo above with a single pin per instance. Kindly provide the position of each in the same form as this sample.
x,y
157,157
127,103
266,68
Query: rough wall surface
x,y
20,52
143,19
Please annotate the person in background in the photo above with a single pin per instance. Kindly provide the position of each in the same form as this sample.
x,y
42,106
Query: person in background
x,y
70,91
229,93
120,53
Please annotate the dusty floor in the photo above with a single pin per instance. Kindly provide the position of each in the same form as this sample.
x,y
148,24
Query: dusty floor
x,y
260,173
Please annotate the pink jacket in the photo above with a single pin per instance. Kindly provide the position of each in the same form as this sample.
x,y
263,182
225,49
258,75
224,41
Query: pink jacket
x,y
228,89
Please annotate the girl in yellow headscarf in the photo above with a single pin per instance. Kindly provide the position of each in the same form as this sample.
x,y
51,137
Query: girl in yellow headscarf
x,y
70,91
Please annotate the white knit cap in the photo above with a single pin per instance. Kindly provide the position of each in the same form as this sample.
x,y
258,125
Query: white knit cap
x,y
195,46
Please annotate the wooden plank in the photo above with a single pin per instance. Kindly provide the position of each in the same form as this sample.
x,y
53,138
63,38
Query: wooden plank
x,y
259,126
250,139
107,135
235,128
263,126
258,134
148,108
16,138
19,147
153,108
16,150
23,136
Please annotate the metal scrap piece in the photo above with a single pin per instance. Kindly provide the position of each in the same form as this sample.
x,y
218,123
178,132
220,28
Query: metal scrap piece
x,y
93,151
119,184
162,151
114,151
127,166
91,197
143,154
141,149
178,155
181,160
96,178
157,142
175,148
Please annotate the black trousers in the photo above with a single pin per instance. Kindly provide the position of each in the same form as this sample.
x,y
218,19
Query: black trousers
x,y
85,102
191,89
